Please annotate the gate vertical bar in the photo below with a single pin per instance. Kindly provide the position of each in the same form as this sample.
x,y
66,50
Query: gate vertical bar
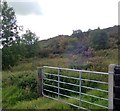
x,y
42,74
110,85
58,83
80,77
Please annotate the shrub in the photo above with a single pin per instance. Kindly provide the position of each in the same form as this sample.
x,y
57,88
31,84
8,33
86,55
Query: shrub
x,y
19,86
99,39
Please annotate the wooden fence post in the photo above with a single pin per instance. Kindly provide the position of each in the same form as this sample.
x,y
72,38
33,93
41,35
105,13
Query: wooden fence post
x,y
110,85
40,82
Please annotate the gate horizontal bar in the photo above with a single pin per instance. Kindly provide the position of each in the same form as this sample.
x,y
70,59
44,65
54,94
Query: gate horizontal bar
x,y
95,89
76,70
95,81
50,79
50,85
50,91
94,96
62,76
46,73
94,104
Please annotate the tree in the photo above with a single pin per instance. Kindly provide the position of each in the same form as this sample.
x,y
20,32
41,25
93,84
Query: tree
x,y
9,37
9,29
30,40
77,33
99,39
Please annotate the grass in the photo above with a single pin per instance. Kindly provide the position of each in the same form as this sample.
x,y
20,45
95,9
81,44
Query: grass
x,y
41,103
11,96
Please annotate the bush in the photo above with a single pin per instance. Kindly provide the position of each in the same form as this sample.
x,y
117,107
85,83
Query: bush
x,y
23,80
9,59
99,39
19,86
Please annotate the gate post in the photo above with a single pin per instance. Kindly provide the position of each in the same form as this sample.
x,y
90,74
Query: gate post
x,y
40,82
110,85
116,99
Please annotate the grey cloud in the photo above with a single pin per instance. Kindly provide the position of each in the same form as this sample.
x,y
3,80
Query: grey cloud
x,y
26,8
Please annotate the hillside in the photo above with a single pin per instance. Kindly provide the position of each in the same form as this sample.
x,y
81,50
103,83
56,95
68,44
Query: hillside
x,y
78,49
77,42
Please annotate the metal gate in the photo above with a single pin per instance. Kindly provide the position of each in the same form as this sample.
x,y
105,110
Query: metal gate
x,y
78,88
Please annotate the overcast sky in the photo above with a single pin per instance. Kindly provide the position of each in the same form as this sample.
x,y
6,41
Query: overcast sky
x,y
49,18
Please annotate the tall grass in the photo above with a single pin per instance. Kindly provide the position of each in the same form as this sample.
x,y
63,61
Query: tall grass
x,y
33,63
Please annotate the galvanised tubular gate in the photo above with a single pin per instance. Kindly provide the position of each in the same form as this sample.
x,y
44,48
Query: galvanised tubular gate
x,y
80,93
